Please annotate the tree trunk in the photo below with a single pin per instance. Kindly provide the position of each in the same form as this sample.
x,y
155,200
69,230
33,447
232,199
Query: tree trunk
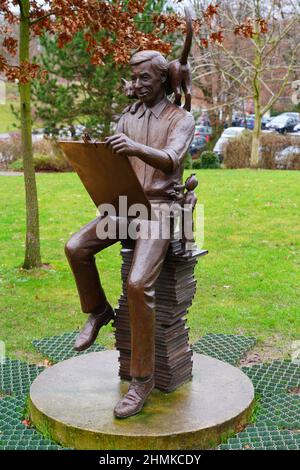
x,y
256,95
256,142
32,250
257,127
230,112
254,161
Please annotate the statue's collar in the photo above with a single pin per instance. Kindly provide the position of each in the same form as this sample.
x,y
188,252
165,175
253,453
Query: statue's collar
x,y
156,109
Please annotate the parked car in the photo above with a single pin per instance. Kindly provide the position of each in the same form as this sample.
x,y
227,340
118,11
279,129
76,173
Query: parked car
x,y
283,123
197,144
291,114
205,131
203,120
69,132
239,121
264,122
236,120
37,135
282,158
5,136
297,127
229,133
248,123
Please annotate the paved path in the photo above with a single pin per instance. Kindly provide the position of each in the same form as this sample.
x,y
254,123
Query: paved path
x,y
10,173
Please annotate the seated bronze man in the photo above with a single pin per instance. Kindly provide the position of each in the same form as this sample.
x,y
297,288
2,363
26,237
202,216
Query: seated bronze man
x,y
155,135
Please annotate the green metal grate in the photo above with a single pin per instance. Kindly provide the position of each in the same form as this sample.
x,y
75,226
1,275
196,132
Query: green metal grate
x,y
11,412
27,439
59,348
282,410
274,377
16,436
228,348
277,422
263,437
17,376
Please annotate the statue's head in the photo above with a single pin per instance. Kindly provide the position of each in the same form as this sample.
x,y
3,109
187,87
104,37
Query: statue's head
x,y
149,76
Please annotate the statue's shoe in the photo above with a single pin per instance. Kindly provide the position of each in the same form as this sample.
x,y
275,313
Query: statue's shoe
x,y
134,400
91,328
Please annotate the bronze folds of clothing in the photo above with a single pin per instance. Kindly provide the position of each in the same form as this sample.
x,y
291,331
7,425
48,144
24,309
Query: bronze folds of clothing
x,y
149,255
166,127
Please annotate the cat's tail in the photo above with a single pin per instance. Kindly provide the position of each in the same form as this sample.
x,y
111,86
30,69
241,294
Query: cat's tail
x,y
189,36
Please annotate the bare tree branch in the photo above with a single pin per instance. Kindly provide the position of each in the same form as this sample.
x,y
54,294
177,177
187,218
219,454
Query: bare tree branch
x,y
40,18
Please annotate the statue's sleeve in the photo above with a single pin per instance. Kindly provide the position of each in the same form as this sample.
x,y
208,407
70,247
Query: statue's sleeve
x,y
179,139
120,124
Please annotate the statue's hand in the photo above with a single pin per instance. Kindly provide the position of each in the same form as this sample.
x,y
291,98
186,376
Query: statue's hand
x,y
122,145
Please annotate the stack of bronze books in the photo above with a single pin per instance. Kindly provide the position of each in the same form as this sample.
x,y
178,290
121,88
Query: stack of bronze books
x,y
175,289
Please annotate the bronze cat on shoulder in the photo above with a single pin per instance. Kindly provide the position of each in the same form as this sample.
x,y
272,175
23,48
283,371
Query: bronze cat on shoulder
x,y
180,76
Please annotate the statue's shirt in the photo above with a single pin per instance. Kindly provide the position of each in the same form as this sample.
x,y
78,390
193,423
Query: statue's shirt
x,y
166,127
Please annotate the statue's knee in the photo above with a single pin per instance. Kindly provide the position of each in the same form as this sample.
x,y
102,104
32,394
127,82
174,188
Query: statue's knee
x,y
72,248
135,287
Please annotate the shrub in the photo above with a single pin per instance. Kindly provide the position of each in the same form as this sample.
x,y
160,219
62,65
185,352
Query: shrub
x,y
50,163
16,165
47,155
10,149
196,164
188,162
209,159
294,162
272,144
44,147
43,163
237,152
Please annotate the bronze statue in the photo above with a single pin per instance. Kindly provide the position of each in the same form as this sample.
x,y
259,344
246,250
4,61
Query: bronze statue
x,y
154,135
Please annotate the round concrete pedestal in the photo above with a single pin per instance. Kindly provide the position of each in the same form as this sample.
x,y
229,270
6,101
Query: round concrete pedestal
x,y
73,402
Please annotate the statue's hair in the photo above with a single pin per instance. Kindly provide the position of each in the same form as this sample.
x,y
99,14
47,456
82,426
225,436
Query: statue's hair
x,y
158,61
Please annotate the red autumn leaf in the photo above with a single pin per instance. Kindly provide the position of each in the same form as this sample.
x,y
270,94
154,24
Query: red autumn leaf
x,y
204,42
211,11
10,44
3,64
217,37
245,29
263,25
26,423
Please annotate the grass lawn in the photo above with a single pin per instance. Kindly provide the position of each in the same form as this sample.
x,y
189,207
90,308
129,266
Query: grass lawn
x,y
248,284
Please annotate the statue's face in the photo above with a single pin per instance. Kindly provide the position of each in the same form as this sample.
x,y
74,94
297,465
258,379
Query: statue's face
x,y
147,83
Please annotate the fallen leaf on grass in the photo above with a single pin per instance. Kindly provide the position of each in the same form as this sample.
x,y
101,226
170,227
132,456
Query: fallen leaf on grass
x,y
294,390
26,423
47,266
